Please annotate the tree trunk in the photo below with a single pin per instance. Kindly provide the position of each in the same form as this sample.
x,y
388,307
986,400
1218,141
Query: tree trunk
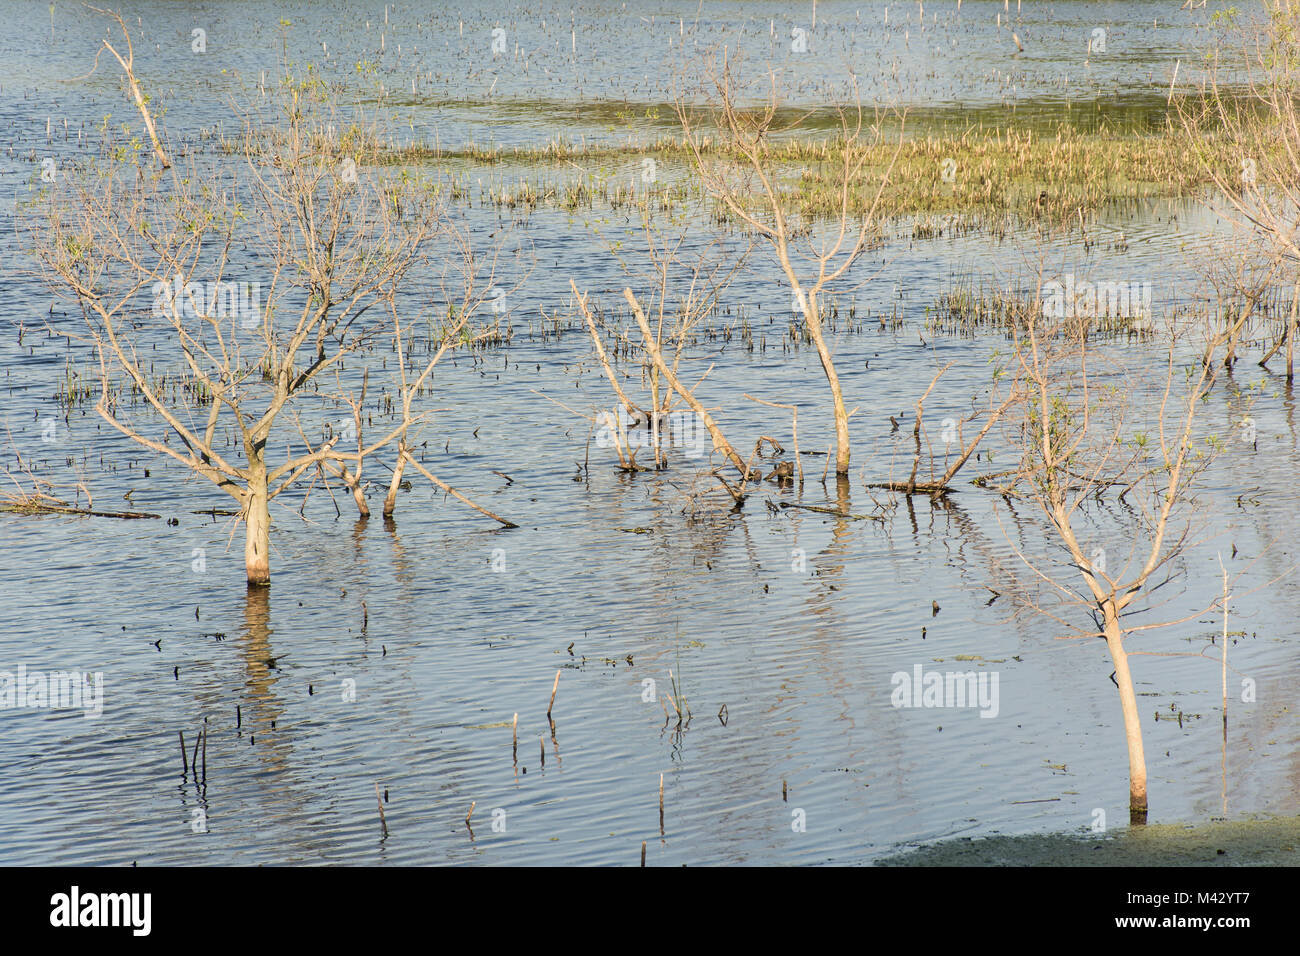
x,y
390,500
359,496
1137,762
841,416
257,524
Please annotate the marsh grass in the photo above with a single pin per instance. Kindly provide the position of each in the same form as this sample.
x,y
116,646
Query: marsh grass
x,y
970,309
1025,173
996,177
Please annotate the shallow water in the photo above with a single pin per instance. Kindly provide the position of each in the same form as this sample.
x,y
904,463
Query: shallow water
x,y
448,626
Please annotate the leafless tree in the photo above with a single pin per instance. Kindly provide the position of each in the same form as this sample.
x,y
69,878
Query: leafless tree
x,y
137,94
1081,436
734,150
265,272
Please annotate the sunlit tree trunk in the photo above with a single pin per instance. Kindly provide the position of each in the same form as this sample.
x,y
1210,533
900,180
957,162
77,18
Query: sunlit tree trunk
x,y
1137,762
390,500
837,396
257,522
1290,337
359,496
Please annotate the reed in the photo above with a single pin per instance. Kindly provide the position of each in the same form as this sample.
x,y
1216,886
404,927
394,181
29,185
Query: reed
x,y
383,823
661,804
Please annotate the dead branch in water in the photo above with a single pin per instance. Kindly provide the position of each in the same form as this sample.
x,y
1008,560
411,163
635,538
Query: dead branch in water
x,y
600,351
821,509
652,349
794,429
38,500
453,492
38,505
940,487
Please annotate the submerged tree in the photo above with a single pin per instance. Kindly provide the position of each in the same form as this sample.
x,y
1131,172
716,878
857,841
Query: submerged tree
x,y
1093,424
254,279
684,285
743,156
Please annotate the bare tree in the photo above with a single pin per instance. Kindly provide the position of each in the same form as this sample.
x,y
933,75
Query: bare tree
x,y
322,252
736,154
681,292
128,67
940,484
1078,442
467,283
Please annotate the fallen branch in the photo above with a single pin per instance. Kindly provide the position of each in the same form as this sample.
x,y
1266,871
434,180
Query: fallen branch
x,y
39,508
453,492
821,509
